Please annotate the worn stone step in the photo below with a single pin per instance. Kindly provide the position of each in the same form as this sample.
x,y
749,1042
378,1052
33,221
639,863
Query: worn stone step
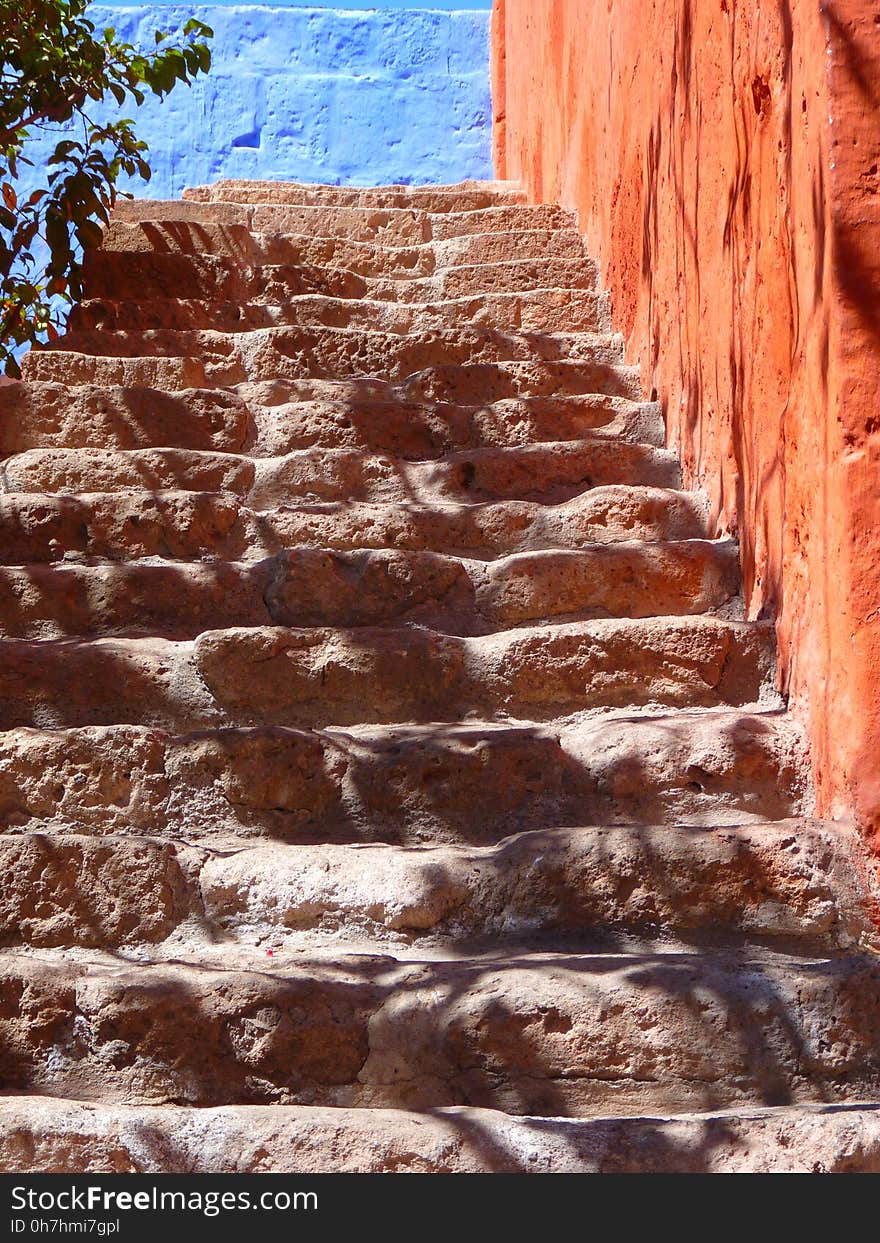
x,y
212,277
369,259
541,310
405,784
64,1136
589,362
791,881
460,383
466,196
318,677
548,473
63,416
529,1033
393,226
276,417
320,587
794,883
339,353
121,526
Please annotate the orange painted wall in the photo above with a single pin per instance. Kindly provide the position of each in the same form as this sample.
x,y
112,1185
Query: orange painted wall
x,y
723,156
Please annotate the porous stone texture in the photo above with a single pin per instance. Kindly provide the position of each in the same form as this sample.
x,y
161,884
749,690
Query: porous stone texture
x,y
388,777
723,160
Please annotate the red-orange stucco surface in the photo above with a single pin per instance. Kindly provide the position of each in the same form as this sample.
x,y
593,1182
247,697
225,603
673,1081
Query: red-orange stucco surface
x,y
724,158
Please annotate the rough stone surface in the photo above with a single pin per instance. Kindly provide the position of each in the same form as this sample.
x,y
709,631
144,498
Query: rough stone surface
x,y
734,207
385,766
67,1136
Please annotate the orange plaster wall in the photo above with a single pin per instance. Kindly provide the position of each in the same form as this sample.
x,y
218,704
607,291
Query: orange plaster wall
x,y
723,156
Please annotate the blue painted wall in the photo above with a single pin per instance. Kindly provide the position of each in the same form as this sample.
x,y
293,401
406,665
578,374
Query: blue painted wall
x,y
327,95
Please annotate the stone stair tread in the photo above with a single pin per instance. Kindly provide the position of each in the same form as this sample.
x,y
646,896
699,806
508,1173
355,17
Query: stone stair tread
x,y
65,1136
323,676
534,1032
392,258
437,782
547,472
304,587
540,310
797,882
187,525
470,195
273,417
154,274
474,381
409,223
421,349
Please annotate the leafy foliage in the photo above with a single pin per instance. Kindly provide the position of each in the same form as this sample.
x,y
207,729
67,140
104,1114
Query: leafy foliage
x,y
54,67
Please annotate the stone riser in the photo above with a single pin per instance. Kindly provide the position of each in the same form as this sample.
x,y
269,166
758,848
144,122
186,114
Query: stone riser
x,y
548,473
307,587
542,311
212,277
276,417
452,200
313,678
369,259
188,525
551,1034
790,881
342,353
59,1136
436,783
395,226
263,356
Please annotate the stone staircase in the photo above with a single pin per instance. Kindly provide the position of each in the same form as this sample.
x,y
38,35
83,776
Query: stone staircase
x,y
388,779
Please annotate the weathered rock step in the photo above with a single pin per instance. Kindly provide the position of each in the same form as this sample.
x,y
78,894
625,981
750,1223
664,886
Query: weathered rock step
x,y
541,310
275,417
321,587
37,527
369,258
341,353
215,277
538,1034
589,361
63,1136
313,678
466,196
391,226
796,882
547,473
404,784
462,383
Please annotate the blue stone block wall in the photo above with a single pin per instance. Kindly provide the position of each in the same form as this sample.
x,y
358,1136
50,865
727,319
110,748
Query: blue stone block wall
x,y
363,97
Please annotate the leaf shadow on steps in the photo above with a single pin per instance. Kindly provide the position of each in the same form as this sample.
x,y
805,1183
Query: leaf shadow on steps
x,y
464,1033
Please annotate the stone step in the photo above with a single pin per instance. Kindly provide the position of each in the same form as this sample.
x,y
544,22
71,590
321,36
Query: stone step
x,y
342,353
415,785
275,417
390,226
466,196
320,587
384,675
547,473
150,275
791,883
368,259
260,360
541,1033
71,1137
122,526
541,310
